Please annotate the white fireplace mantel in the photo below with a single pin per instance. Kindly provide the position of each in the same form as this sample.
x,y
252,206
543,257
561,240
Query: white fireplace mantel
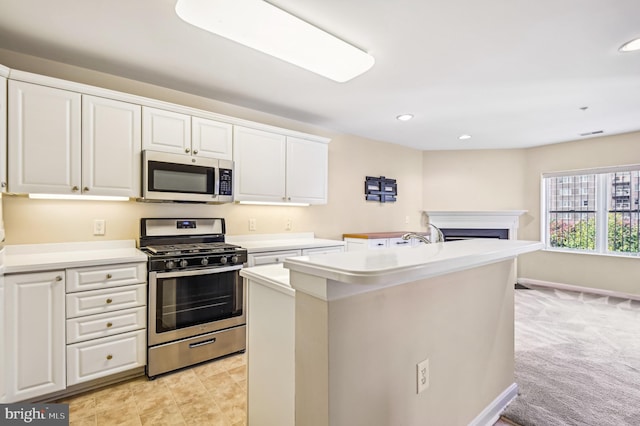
x,y
486,219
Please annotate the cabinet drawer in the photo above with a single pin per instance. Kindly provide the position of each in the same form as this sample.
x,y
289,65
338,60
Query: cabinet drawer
x,y
102,325
107,300
322,250
271,257
102,357
96,277
399,242
378,243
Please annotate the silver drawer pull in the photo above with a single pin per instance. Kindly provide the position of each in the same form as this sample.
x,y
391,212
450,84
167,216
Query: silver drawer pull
x,y
204,342
109,276
109,356
109,324
109,301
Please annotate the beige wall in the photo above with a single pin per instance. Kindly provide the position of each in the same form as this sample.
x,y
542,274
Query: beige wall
x,y
350,160
620,274
473,180
510,179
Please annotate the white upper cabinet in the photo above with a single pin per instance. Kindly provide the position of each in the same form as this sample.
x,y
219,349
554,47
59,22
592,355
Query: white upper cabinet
x,y
166,131
307,171
211,138
259,165
44,139
49,153
3,134
271,167
111,147
169,131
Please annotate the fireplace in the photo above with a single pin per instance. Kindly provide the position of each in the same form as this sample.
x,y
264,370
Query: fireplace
x,y
459,225
454,234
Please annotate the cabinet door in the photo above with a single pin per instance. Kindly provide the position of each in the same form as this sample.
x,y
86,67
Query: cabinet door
x,y
3,135
211,139
166,131
35,334
111,147
307,169
259,165
3,343
44,139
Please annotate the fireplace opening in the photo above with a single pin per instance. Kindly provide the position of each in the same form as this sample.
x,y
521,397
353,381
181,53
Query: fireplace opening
x,y
454,234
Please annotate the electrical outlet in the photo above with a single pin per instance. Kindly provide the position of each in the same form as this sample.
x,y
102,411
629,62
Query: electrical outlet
x,y
99,227
252,224
422,375
406,219
289,224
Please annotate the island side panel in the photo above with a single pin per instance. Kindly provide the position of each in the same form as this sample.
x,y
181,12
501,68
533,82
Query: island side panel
x,y
311,360
462,322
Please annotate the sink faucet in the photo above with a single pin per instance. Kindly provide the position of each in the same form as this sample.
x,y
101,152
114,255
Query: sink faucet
x,y
439,236
411,235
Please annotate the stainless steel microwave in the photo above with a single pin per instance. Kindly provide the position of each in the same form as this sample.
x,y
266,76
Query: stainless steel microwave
x,y
179,177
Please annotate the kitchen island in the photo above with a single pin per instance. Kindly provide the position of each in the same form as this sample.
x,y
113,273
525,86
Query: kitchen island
x,y
365,320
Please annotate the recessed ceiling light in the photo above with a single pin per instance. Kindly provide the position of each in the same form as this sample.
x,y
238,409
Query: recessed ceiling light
x,y
631,45
405,117
268,29
464,137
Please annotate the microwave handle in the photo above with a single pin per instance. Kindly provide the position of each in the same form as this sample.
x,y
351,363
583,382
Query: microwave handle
x,y
216,182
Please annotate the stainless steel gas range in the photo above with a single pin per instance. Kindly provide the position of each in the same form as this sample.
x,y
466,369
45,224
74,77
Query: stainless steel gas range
x,y
196,305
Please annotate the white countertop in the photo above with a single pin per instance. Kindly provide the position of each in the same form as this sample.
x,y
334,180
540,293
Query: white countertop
x,y
271,242
387,267
43,257
272,276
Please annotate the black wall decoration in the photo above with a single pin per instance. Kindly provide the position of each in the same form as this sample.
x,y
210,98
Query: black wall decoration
x,y
380,189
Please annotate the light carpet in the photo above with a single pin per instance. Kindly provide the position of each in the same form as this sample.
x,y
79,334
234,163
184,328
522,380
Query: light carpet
x,y
577,359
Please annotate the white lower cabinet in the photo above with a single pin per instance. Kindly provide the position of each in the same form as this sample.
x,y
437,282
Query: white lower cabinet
x,y
106,320
272,257
109,355
3,344
35,334
356,244
54,336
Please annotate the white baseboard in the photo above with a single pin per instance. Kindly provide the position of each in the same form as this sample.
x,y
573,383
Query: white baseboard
x,y
570,287
492,412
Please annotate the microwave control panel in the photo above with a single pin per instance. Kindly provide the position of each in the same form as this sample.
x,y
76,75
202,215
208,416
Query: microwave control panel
x,y
226,182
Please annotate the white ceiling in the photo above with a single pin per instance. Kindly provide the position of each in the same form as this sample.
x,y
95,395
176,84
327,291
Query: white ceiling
x,y
511,73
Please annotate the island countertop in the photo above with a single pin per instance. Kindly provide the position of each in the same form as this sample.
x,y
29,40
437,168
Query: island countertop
x,y
372,269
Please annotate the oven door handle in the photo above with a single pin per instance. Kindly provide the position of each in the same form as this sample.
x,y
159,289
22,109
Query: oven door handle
x,y
206,271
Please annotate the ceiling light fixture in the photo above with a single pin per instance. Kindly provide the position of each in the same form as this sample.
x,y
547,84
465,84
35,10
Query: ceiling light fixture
x,y
405,117
464,137
631,45
268,29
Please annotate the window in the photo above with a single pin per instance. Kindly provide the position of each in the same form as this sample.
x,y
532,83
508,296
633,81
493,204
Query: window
x,y
593,211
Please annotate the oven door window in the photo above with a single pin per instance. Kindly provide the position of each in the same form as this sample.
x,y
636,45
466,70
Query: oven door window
x,y
191,300
183,178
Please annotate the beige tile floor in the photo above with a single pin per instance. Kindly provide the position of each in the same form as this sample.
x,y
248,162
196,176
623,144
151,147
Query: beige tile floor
x,y
212,394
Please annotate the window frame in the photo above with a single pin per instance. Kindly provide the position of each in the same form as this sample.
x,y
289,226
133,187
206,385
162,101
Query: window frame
x,y
602,198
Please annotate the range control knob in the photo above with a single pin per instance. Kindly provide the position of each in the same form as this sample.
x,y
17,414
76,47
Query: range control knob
x,y
169,264
223,260
234,259
204,261
184,263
